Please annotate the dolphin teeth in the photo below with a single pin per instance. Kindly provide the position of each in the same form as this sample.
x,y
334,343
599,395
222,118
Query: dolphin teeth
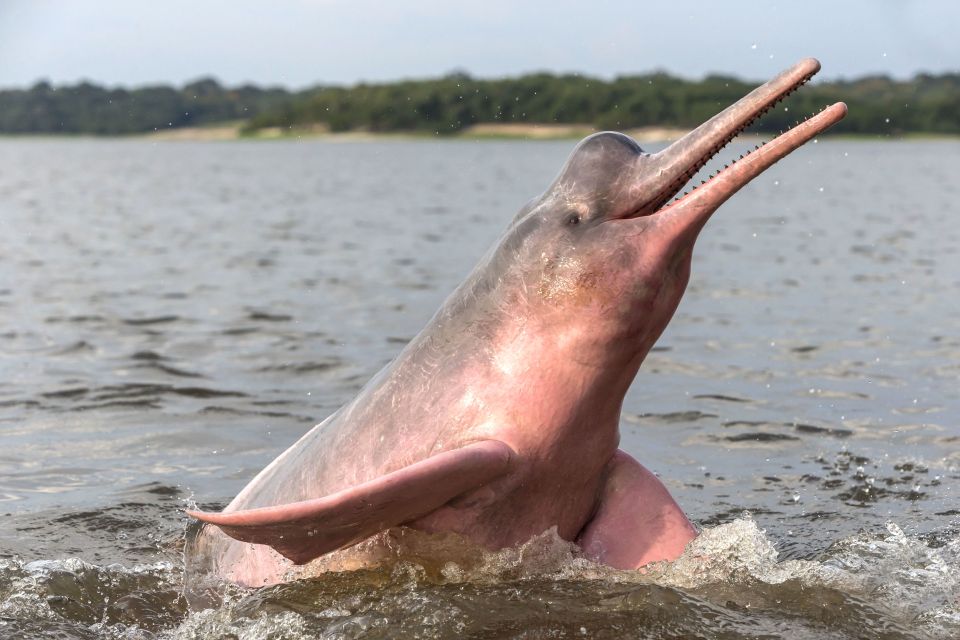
x,y
702,162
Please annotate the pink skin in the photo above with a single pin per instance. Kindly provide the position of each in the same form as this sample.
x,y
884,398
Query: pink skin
x,y
500,419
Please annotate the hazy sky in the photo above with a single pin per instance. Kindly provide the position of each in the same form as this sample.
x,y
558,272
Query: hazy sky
x,y
302,42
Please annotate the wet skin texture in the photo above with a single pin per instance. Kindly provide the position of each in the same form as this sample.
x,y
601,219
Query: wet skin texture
x,y
500,419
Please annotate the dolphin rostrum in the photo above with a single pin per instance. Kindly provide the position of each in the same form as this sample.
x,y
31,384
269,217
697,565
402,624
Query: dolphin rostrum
x,y
500,420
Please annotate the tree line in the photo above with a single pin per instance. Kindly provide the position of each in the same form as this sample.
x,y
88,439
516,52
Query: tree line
x,y
447,105
87,108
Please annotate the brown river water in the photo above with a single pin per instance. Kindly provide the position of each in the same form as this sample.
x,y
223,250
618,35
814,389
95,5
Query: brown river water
x,y
173,315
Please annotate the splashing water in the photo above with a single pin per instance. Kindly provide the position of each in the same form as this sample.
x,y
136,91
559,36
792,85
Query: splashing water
x,y
728,582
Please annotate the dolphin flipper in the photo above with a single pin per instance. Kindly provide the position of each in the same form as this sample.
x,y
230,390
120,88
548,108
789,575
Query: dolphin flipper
x,y
305,530
637,520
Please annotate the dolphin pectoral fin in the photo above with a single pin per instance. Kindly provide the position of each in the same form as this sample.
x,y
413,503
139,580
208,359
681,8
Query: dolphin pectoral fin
x,y
637,521
305,530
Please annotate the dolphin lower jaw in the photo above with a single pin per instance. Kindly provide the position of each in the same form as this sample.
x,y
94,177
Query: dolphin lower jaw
x,y
687,214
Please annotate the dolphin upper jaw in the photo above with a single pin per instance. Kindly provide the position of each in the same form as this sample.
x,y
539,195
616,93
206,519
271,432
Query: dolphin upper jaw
x,y
659,177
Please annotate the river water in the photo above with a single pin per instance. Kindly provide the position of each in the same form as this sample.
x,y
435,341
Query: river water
x,y
173,315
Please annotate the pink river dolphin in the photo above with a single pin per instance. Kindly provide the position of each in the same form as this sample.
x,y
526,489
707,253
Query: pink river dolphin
x,y
500,420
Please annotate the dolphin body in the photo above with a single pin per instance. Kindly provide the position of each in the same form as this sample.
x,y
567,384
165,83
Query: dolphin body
x,y
501,418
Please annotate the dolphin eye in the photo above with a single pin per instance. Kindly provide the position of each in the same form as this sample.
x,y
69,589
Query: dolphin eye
x,y
573,219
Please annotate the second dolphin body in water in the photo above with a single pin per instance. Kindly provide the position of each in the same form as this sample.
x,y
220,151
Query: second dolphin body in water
x,y
500,420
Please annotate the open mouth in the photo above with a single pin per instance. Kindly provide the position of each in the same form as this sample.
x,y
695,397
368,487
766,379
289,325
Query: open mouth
x,y
679,162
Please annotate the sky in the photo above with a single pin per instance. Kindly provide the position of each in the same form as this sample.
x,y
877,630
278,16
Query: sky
x,y
299,43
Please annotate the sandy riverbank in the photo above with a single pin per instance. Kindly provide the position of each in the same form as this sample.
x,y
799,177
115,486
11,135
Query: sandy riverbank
x,y
496,131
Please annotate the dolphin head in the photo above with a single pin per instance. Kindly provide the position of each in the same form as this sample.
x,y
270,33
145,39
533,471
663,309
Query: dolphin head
x,y
603,256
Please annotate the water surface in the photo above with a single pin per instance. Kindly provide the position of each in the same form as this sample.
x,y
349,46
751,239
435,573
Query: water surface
x,y
174,315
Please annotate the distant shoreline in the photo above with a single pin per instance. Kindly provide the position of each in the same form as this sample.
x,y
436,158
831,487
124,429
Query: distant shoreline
x,y
234,131
535,106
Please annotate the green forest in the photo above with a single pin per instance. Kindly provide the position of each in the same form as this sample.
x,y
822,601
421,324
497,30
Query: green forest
x,y
926,104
